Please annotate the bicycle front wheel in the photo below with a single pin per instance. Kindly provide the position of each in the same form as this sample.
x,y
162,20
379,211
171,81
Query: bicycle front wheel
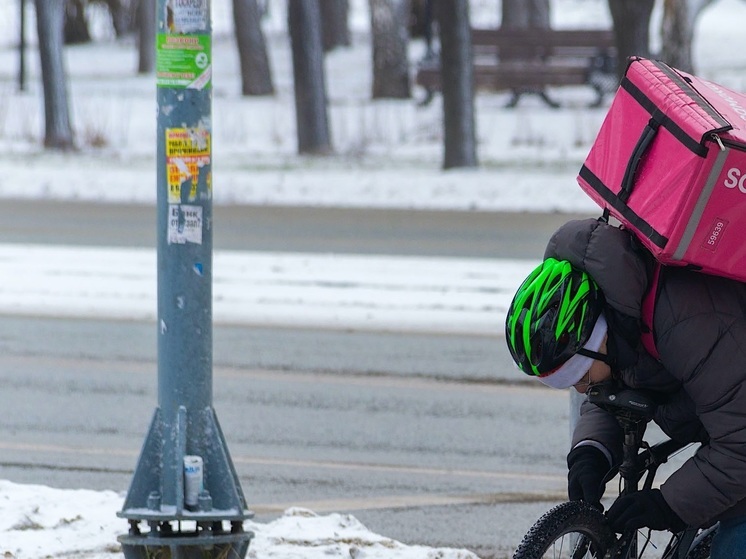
x,y
573,530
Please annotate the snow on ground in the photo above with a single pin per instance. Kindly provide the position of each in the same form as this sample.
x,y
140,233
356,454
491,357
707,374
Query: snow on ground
x,y
42,522
388,154
447,295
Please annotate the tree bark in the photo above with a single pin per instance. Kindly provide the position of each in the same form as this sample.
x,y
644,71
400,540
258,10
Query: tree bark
x,y
76,24
677,31
304,23
631,29
256,76
389,22
50,20
457,73
120,16
22,47
525,14
146,18
334,24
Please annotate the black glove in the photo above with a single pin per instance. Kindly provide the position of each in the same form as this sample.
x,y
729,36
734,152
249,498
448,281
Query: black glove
x,y
588,467
645,508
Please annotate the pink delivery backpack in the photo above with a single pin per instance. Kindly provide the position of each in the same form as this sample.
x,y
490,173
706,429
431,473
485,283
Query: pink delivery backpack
x,y
669,163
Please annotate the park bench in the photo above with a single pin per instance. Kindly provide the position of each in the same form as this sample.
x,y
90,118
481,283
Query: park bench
x,y
530,60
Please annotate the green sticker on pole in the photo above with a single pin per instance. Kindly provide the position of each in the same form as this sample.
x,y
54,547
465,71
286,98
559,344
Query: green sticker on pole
x,y
183,61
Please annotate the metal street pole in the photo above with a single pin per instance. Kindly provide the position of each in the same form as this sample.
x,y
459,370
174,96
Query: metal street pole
x,y
185,489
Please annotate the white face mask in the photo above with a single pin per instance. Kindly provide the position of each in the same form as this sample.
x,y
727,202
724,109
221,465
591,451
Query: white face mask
x,y
573,370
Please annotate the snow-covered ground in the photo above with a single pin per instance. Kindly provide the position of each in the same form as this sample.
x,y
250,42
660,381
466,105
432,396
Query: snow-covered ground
x,y
388,155
383,293
42,522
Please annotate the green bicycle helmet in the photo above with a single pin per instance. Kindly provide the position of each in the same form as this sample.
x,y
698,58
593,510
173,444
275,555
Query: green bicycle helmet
x,y
551,316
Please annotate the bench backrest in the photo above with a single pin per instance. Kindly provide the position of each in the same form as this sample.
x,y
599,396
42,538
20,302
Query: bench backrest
x,y
529,43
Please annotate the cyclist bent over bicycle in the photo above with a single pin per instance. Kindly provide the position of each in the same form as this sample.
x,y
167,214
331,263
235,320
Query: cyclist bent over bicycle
x,y
576,321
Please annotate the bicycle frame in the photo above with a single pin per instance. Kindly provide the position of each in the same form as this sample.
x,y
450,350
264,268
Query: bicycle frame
x,y
635,465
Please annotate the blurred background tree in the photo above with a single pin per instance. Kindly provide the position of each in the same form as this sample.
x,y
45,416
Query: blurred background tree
x,y
145,23
389,22
256,75
50,20
123,18
525,14
335,26
631,20
677,31
312,120
460,145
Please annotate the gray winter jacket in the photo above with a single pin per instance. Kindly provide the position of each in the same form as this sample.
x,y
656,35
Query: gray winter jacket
x,y
700,332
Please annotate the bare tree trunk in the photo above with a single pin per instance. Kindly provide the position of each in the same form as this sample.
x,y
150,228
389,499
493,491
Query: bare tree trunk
x,y
304,23
22,47
524,14
677,30
50,20
76,24
120,16
458,84
146,18
256,76
389,22
334,24
631,29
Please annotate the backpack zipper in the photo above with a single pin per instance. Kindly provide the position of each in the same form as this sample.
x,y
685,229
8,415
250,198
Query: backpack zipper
x,y
723,142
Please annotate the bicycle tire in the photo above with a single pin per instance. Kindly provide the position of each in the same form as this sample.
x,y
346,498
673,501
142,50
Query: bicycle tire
x,y
567,518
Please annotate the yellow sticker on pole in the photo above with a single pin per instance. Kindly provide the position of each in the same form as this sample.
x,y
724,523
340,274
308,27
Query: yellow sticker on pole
x,y
182,142
187,150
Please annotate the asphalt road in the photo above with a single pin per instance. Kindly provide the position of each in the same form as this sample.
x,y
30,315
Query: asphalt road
x,y
417,436
359,231
440,463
